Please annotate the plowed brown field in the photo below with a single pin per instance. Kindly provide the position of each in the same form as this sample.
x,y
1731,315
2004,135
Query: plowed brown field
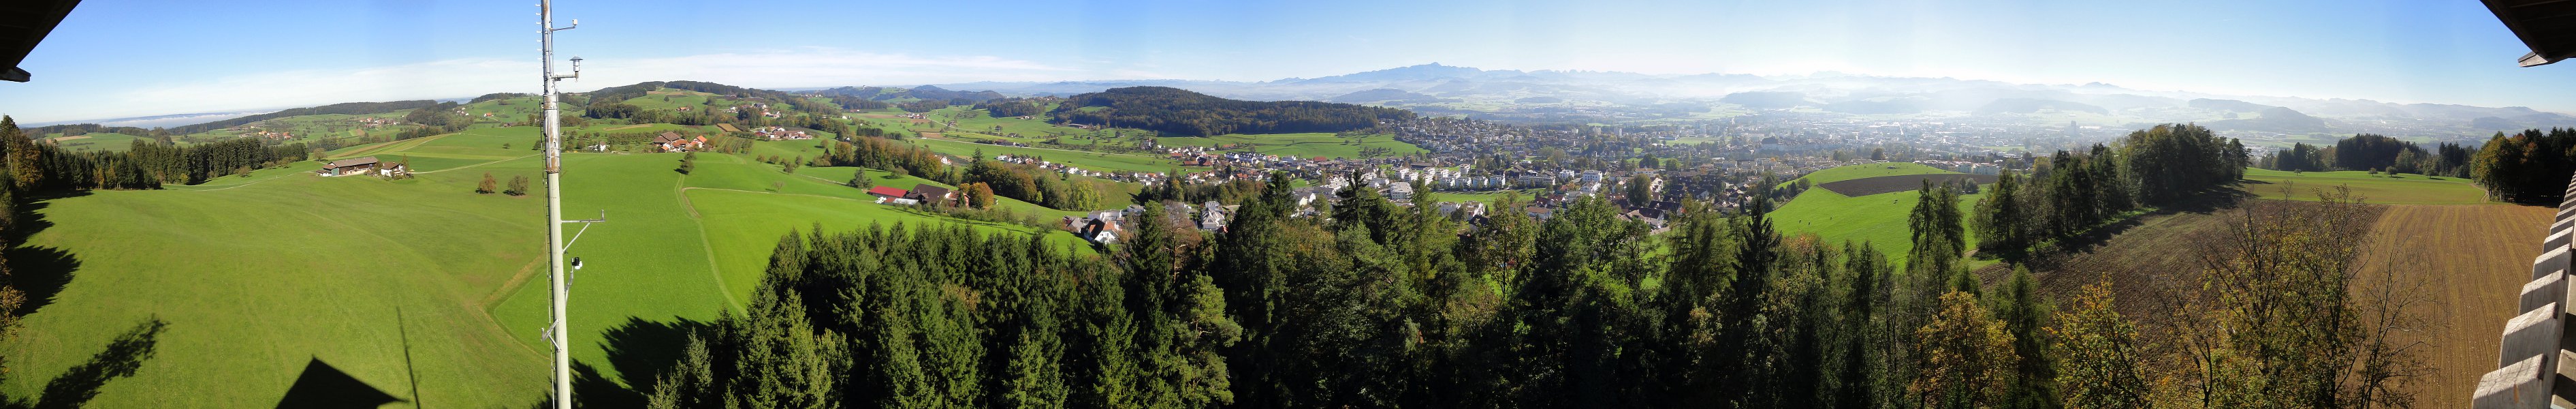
x,y
2473,259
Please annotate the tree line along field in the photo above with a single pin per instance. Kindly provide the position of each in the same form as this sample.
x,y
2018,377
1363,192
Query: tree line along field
x,y
416,284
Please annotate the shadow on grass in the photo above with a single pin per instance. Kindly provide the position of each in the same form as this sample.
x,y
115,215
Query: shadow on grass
x,y
590,390
642,350
40,272
122,357
324,387
2091,239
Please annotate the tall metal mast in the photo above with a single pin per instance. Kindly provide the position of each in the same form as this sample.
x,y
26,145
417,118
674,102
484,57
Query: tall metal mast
x,y
558,337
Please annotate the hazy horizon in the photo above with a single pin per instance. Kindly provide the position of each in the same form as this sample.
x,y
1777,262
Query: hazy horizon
x,y
225,58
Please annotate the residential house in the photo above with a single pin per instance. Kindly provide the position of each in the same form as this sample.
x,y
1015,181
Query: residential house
x,y
928,193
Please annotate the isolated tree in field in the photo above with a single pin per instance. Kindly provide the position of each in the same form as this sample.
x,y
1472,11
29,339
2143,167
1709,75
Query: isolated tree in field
x,y
488,185
518,185
859,180
790,167
688,163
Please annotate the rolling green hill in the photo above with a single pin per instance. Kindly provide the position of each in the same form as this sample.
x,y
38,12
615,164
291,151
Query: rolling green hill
x,y
412,285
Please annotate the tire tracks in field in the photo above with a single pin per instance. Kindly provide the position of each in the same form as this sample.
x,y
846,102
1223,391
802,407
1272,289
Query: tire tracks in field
x,y
479,164
714,269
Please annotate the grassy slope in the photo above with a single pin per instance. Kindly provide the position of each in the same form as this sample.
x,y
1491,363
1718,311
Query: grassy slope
x,y
256,276
386,281
2399,189
670,254
99,141
1303,145
1878,219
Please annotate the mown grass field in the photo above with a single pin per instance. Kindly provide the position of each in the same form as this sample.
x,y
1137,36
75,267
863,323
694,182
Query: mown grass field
x,y
513,109
254,278
1302,145
2384,189
1842,173
1096,161
667,99
408,285
1877,219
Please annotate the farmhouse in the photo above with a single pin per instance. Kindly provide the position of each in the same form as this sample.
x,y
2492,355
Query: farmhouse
x,y
346,167
890,195
673,142
927,193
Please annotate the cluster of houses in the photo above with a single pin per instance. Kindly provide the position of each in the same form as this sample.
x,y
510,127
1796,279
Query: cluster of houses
x,y
1106,226
368,166
1968,167
764,110
1057,167
779,134
674,142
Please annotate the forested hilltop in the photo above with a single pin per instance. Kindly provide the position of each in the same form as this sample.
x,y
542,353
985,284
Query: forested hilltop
x,y
1177,111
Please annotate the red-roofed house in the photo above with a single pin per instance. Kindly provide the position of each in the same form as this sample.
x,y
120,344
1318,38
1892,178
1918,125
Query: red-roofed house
x,y
888,192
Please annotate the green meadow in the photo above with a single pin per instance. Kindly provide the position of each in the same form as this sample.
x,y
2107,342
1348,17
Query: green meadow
x,y
418,289
667,99
1303,145
98,141
1878,219
1843,173
1096,161
2382,189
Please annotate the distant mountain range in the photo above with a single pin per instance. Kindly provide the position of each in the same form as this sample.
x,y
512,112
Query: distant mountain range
x,y
1507,94
1613,97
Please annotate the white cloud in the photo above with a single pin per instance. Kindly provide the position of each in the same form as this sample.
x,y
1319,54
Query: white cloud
x,y
802,67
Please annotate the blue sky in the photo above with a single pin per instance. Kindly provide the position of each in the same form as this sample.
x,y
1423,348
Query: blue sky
x,y
130,58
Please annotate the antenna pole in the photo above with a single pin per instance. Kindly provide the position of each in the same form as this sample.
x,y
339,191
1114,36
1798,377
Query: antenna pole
x,y
560,339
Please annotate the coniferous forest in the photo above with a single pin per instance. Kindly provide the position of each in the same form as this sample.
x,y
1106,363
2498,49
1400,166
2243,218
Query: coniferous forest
x,y
1381,305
